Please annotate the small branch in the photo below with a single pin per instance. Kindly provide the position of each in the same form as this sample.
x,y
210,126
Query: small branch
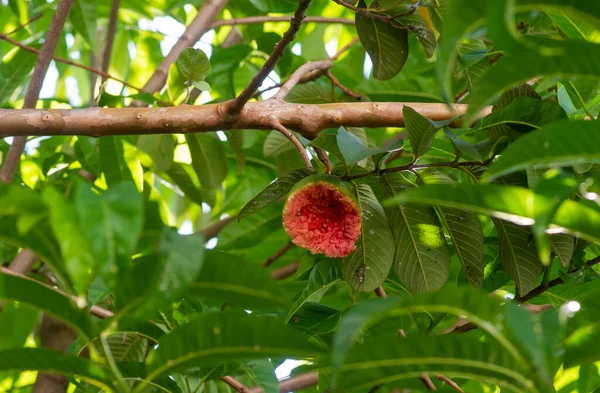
x,y
324,158
379,291
235,384
110,36
69,62
551,284
237,105
292,138
285,272
11,162
23,262
30,21
336,82
288,246
94,310
263,19
427,382
311,66
215,228
200,25
450,383
294,384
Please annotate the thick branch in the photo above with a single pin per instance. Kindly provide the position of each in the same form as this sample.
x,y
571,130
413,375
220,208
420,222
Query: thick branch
x,y
11,163
306,119
263,19
110,36
236,106
200,25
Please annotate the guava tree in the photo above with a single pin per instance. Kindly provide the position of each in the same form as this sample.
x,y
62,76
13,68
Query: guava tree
x,y
380,195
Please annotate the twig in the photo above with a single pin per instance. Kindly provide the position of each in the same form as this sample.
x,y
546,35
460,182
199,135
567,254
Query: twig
x,y
285,272
384,18
288,246
69,62
23,262
237,105
215,228
262,19
235,384
292,138
551,284
344,49
311,66
94,310
11,163
324,158
110,36
427,382
294,384
450,383
30,21
379,291
336,82
200,25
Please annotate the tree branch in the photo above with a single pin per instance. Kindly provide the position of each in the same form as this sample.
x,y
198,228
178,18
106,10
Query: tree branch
x,y
285,272
30,21
23,262
262,19
235,384
237,105
306,119
324,158
200,25
288,246
110,36
11,163
276,125
294,384
67,61
311,66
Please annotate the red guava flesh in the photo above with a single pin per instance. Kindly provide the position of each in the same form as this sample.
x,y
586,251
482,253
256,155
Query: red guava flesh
x,y
322,219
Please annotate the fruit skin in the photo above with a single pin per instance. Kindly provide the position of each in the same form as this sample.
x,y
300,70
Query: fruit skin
x,y
322,214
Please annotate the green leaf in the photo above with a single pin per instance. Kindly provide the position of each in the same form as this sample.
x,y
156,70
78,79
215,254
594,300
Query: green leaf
x,y
219,337
208,158
112,160
262,373
367,267
499,131
202,86
419,27
276,143
518,255
467,236
83,18
176,85
160,148
274,191
467,302
235,139
421,131
574,29
182,179
573,58
389,359
524,114
323,276
275,5
40,297
550,146
78,259
252,230
508,203
422,259
310,93
112,221
563,246
354,150
13,72
17,322
387,46
124,347
47,360
229,277
193,64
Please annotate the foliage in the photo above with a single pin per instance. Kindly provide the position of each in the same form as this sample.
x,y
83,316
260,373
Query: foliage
x,y
165,253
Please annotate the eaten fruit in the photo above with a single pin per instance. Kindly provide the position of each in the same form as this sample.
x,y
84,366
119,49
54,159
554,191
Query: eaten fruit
x,y
322,215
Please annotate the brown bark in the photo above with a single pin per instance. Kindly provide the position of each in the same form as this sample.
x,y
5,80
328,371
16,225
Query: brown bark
x,y
58,336
307,119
